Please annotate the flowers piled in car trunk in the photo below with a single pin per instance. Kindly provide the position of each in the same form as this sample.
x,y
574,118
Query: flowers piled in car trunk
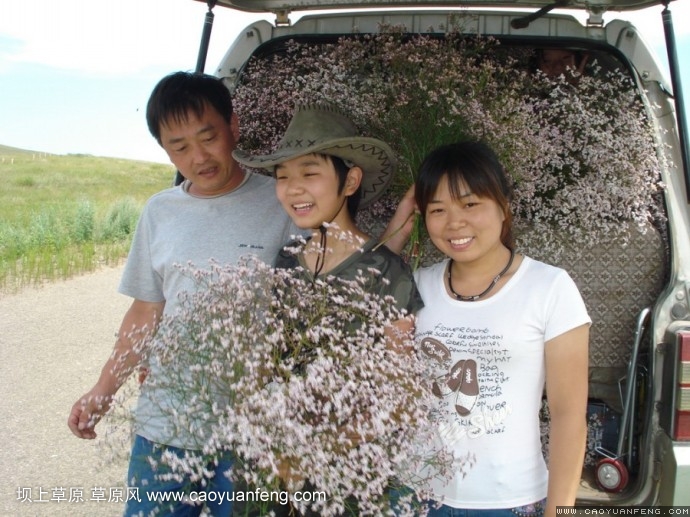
x,y
303,383
580,152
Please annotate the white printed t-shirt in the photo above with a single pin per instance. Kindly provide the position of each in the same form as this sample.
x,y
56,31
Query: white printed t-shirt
x,y
492,385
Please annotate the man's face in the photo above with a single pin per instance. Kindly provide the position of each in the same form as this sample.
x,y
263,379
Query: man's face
x,y
201,149
556,62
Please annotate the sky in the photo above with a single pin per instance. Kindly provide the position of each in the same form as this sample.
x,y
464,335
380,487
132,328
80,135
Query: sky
x,y
75,75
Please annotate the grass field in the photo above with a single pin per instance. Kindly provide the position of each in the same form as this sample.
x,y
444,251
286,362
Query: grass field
x,y
62,215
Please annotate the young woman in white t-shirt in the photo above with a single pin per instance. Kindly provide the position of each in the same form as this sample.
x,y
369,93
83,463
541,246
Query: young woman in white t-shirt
x,y
498,327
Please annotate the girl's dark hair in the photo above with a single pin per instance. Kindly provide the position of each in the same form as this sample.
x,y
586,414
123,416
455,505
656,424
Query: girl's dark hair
x,y
181,92
473,164
341,170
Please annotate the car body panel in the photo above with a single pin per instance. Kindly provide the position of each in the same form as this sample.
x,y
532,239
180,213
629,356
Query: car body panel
x,y
665,473
258,6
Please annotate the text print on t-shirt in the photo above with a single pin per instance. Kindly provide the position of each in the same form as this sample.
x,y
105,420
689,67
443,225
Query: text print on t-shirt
x,y
469,378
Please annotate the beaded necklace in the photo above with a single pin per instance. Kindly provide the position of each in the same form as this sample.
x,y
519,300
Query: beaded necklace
x,y
476,297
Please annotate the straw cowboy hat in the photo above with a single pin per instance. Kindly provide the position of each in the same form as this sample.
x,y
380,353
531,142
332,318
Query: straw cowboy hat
x,y
322,128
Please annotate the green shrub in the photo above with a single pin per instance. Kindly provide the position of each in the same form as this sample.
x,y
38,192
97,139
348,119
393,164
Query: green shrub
x,y
47,230
120,220
84,222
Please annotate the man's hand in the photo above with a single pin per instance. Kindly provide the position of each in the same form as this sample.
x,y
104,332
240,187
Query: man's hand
x,y
87,412
139,321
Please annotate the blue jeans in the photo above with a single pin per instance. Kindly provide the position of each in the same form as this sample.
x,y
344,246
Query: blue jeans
x,y
529,510
149,495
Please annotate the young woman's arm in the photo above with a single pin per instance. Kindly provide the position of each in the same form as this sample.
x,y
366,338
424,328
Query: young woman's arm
x,y
566,390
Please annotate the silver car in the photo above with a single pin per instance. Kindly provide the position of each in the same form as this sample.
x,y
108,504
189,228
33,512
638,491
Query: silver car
x,y
636,284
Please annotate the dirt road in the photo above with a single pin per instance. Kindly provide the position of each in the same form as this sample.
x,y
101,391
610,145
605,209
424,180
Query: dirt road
x,y
53,342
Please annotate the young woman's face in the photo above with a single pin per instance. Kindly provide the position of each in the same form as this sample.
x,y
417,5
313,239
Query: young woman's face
x,y
465,229
307,187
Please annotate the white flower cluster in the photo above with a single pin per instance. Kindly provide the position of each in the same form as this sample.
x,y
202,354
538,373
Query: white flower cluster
x,y
305,383
580,152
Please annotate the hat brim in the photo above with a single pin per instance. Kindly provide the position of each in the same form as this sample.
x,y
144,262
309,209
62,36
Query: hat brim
x,y
373,156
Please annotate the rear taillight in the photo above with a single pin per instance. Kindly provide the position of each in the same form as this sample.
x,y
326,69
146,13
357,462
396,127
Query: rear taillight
x,y
682,427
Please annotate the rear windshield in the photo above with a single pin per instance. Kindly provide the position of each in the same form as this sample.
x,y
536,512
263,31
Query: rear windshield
x,y
568,122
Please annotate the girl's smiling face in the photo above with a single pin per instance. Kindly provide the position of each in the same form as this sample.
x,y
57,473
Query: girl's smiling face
x,y
465,228
307,187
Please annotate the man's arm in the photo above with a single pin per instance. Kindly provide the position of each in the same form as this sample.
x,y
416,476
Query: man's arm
x,y
140,319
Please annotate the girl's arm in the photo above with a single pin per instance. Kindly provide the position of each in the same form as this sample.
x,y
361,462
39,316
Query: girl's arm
x,y
399,228
566,359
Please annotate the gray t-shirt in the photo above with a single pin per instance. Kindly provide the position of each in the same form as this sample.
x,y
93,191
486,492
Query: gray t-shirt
x,y
176,228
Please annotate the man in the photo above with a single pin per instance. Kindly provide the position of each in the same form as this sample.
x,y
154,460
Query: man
x,y
556,62
218,212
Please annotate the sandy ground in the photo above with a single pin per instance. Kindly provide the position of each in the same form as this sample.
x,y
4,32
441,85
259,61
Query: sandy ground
x,y
53,342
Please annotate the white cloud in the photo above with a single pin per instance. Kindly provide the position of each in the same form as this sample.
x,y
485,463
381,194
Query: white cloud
x,y
127,36
107,37
80,71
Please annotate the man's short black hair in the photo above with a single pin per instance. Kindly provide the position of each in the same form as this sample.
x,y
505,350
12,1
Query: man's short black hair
x,y
181,92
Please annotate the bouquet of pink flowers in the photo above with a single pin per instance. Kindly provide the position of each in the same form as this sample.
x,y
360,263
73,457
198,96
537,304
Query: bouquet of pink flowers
x,y
304,384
